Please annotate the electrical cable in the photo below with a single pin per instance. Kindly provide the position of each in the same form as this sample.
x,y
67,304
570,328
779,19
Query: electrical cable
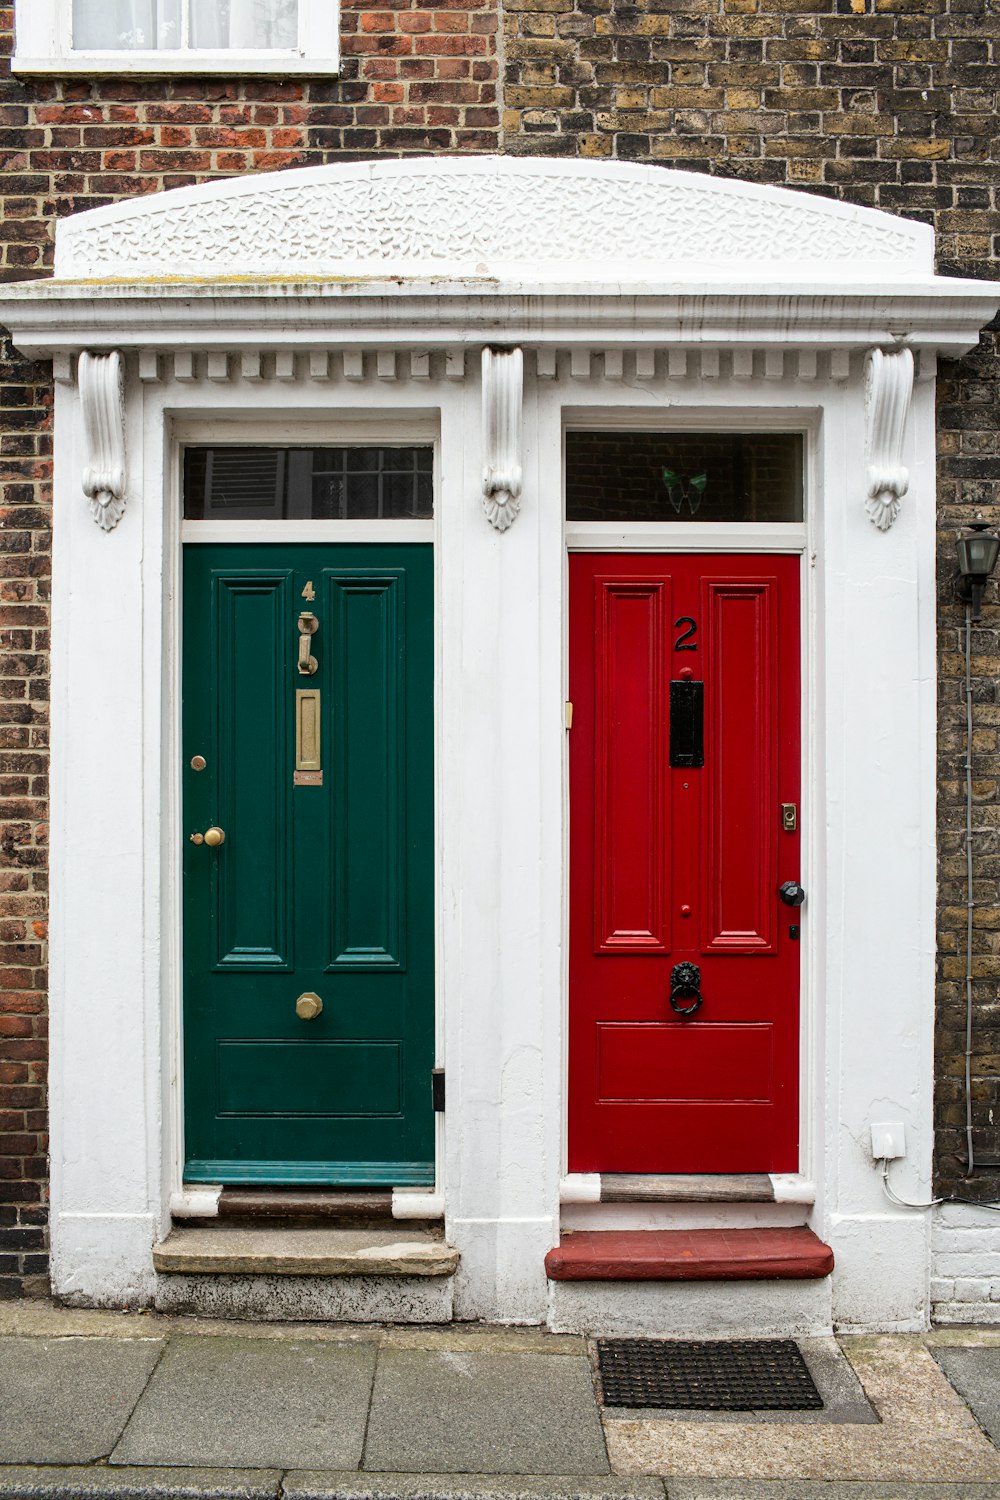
x,y
894,1197
970,1152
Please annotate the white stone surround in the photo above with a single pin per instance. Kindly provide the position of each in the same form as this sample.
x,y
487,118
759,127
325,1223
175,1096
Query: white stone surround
x,y
380,330
965,1265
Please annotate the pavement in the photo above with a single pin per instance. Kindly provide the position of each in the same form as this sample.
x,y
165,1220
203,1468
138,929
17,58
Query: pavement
x,y
133,1406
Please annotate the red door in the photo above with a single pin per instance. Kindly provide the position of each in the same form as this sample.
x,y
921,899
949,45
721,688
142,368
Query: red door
x,y
684,795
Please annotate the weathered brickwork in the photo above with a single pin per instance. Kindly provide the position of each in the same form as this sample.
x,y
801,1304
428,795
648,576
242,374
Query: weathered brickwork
x,y
890,104
416,77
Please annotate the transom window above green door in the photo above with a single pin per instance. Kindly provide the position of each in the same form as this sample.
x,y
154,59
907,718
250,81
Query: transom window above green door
x,y
363,483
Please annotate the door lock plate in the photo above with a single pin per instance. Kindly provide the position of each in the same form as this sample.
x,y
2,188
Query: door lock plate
x,y
789,817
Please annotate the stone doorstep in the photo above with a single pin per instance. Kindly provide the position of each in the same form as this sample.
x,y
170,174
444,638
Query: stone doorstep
x,y
689,1255
268,1251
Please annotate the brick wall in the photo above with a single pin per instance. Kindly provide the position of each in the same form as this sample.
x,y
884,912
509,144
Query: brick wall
x,y
416,77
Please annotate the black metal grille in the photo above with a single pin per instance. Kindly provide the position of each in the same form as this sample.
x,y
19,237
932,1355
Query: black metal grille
x,y
710,1375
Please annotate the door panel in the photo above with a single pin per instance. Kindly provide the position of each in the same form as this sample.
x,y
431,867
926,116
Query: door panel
x,y
739,818
369,896
676,854
250,911
323,785
630,891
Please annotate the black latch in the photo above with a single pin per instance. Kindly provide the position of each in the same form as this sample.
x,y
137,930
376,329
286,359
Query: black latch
x,y
437,1090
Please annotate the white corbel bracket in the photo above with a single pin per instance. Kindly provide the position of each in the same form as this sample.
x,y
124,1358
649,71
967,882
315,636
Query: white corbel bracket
x,y
503,385
102,396
888,390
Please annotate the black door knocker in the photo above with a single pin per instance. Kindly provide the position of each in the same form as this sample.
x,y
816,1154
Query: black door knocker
x,y
685,979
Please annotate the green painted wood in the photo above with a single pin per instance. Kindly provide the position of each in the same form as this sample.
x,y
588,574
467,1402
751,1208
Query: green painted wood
x,y
323,888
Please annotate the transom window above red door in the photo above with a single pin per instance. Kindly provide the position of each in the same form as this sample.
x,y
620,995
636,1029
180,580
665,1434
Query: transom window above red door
x,y
684,476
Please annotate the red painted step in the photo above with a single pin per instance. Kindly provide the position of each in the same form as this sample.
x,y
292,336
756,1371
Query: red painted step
x,y
689,1255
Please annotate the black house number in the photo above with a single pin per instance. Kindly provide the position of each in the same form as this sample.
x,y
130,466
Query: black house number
x,y
684,641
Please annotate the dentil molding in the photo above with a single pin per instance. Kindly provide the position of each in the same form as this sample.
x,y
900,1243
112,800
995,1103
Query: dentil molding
x,y
102,397
888,391
503,386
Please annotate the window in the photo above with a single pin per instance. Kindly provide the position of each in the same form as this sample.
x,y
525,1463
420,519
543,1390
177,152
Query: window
x,y
167,36
308,484
684,476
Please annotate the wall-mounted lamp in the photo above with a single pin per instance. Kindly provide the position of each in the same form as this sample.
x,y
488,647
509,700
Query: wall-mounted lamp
x,y
978,549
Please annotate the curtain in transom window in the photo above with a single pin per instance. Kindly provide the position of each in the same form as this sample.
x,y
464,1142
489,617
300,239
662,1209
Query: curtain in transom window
x,y
149,25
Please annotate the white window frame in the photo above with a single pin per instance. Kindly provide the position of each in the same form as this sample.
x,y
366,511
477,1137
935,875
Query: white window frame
x,y
44,44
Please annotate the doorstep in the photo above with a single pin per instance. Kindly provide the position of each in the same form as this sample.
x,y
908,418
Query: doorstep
x,y
220,1249
689,1255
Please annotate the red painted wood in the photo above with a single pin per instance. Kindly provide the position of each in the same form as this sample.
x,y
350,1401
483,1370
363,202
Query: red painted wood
x,y
630,868
673,864
689,1255
739,820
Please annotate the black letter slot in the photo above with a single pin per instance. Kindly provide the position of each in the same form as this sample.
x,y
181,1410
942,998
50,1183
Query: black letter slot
x,y
687,723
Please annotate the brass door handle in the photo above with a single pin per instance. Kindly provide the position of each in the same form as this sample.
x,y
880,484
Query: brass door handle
x,y
308,626
308,1006
213,837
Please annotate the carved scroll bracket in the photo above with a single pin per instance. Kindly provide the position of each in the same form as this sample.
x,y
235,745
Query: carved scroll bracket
x,y
888,389
102,396
503,385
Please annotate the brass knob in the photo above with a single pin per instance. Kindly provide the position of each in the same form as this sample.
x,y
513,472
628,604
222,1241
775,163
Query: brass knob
x,y
214,837
308,1006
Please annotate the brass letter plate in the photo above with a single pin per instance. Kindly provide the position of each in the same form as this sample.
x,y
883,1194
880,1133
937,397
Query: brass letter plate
x,y
308,767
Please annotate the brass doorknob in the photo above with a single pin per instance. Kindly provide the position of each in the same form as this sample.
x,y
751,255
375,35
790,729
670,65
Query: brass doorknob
x,y
308,1006
214,837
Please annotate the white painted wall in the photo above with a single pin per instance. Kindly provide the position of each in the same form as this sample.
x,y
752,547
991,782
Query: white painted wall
x,y
965,1280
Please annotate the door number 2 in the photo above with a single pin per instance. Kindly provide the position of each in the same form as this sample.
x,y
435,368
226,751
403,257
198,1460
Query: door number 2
x,y
685,641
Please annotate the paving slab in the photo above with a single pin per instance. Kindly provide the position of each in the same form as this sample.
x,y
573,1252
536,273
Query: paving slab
x,y
103,1483
465,1487
66,1401
442,1411
926,1434
843,1398
975,1374
254,1404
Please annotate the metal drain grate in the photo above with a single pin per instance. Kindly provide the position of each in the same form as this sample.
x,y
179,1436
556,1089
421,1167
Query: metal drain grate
x,y
710,1375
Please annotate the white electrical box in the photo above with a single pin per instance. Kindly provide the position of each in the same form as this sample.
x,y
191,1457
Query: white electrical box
x,y
888,1140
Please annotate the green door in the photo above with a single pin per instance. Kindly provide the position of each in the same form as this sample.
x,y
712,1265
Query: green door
x,y
308,695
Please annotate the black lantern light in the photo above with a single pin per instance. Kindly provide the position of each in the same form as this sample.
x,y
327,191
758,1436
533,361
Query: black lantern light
x,y
978,549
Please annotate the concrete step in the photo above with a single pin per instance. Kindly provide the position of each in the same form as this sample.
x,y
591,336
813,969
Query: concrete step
x,y
689,1255
223,1249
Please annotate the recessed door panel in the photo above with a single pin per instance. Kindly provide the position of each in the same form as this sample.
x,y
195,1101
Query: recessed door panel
x,y
740,828
653,1063
309,923
250,909
320,1079
630,868
367,722
684,997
